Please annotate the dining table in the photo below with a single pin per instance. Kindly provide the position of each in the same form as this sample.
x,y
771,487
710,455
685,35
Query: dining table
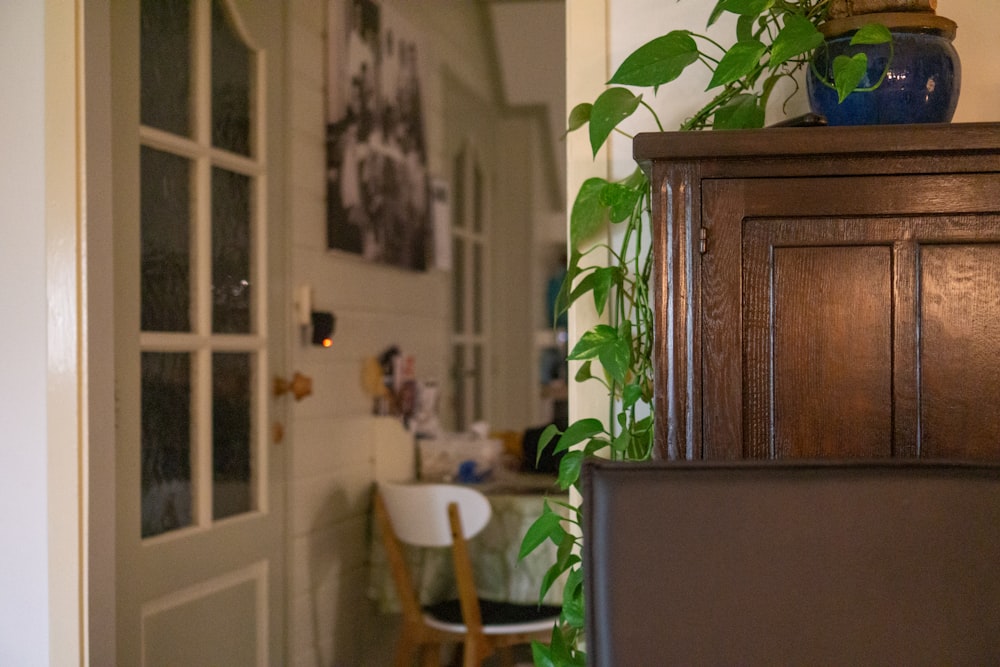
x,y
516,501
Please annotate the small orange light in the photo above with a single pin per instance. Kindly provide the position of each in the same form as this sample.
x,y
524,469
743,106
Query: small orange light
x,y
327,342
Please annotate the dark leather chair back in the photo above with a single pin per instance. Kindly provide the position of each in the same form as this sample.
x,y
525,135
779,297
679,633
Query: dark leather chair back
x,y
792,563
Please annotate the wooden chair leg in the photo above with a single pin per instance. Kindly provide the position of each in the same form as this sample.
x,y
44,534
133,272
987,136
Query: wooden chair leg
x,y
506,655
406,649
475,652
430,655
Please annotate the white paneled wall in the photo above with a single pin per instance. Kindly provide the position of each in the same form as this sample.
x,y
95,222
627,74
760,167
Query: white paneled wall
x,y
331,622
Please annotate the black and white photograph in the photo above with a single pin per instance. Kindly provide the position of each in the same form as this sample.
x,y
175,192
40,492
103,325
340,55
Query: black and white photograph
x,y
378,202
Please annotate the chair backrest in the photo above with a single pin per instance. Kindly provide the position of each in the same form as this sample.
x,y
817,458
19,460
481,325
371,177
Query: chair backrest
x,y
419,512
795,563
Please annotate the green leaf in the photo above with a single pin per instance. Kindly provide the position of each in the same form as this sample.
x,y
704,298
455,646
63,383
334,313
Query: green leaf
x,y
752,8
560,651
588,215
871,33
592,341
742,111
612,107
579,431
797,37
620,199
541,655
549,578
569,468
848,73
544,527
621,441
744,28
572,611
574,585
579,116
595,445
604,279
657,62
716,13
631,395
599,281
605,343
740,60
545,438
584,373
616,357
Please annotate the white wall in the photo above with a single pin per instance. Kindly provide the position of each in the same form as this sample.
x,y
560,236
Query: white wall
x,y
976,46
24,608
40,615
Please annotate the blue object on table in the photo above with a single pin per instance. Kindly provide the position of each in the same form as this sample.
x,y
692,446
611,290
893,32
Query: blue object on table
x,y
922,84
467,473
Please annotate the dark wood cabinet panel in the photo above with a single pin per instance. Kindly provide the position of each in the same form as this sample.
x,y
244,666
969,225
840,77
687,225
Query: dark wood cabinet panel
x,y
960,328
845,303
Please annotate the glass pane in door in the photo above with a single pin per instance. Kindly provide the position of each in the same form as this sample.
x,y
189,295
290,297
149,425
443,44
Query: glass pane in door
x,y
476,383
478,288
458,373
165,212
166,442
165,66
458,286
230,85
231,245
231,434
477,198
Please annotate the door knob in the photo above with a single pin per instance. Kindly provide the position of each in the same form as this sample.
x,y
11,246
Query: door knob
x,y
300,385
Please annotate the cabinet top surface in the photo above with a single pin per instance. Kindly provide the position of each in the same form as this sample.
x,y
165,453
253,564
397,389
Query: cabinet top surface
x,y
817,141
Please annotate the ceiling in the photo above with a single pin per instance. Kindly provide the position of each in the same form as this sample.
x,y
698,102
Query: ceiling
x,y
529,37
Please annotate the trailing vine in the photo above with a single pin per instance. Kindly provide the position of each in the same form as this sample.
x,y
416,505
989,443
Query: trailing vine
x,y
773,40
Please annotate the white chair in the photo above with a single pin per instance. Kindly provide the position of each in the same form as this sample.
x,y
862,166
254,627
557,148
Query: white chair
x,y
438,515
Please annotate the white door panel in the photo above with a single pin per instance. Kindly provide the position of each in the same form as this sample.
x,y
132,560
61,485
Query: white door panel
x,y
198,270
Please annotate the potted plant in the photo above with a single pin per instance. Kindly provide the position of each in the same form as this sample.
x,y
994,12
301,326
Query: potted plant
x,y
913,78
774,39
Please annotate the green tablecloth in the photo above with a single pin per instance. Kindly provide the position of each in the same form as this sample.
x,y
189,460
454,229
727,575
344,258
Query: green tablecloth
x,y
499,574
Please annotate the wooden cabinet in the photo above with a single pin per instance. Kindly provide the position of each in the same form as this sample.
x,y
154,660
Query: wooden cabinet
x,y
827,292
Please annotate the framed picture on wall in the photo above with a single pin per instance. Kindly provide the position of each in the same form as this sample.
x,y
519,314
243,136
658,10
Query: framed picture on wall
x,y
378,189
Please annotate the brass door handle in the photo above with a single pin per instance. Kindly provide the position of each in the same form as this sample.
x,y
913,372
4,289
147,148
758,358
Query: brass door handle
x,y
300,385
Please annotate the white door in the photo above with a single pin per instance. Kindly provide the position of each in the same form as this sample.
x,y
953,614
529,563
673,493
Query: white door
x,y
199,294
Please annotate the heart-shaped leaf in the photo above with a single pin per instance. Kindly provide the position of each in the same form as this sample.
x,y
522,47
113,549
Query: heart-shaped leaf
x,y
620,199
610,108
579,116
743,111
579,431
569,469
631,395
589,215
546,526
600,281
739,61
744,28
716,13
746,7
848,72
584,373
871,33
592,342
616,358
658,61
798,36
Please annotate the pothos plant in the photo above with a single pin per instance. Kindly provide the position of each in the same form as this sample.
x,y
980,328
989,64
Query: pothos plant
x,y
773,40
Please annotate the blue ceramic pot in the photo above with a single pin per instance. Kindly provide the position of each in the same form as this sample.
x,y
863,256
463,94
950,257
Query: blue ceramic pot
x,y
921,86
